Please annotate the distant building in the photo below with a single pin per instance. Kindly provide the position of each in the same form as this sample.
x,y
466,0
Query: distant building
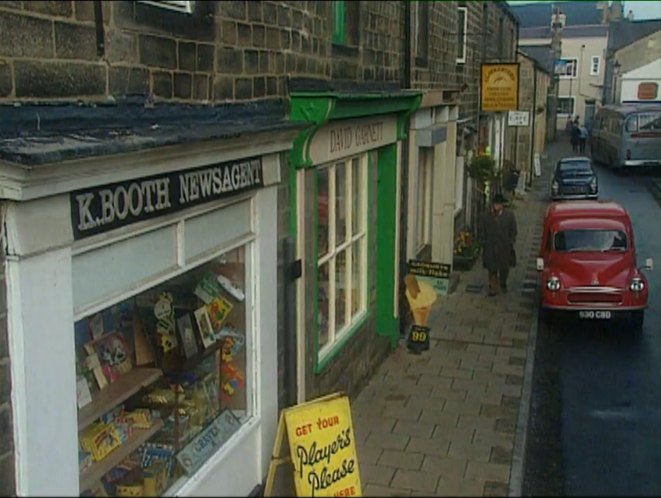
x,y
633,62
580,68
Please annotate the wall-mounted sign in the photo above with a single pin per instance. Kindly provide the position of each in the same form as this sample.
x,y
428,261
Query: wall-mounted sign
x,y
648,90
107,207
322,448
518,118
344,138
499,90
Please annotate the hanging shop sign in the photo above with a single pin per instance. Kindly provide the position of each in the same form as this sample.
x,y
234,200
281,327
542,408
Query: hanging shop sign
x,y
322,448
499,90
107,207
348,137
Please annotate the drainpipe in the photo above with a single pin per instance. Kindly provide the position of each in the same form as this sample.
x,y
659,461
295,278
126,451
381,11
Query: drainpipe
x,y
98,24
405,83
532,131
290,346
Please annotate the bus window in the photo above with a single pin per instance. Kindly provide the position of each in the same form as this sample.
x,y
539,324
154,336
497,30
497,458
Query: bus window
x,y
650,121
632,123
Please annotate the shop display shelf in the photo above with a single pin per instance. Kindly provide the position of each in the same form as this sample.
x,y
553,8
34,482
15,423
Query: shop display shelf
x,y
106,399
98,469
189,363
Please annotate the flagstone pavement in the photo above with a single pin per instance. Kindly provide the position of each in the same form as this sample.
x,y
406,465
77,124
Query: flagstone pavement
x,y
451,421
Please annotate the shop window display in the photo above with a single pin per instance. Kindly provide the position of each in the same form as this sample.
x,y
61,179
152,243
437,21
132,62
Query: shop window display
x,y
162,380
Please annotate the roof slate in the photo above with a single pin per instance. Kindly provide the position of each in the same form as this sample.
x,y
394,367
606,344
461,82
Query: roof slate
x,y
626,32
539,13
39,134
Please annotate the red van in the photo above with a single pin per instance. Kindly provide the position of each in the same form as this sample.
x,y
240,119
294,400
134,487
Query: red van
x,y
587,263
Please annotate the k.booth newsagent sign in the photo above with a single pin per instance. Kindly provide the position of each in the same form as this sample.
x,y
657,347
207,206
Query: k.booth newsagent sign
x,y
104,208
348,137
322,448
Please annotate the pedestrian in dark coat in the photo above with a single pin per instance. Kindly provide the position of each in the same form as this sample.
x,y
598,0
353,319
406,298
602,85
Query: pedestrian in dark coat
x,y
575,137
498,236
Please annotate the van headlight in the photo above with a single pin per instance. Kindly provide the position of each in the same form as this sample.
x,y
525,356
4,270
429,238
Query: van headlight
x,y
553,284
637,284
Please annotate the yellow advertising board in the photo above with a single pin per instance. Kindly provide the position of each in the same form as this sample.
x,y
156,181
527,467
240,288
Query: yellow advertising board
x,y
499,89
322,448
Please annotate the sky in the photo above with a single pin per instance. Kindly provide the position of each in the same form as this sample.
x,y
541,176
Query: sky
x,y
642,9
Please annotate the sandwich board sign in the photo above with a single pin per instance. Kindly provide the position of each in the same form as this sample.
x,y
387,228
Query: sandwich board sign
x,y
322,450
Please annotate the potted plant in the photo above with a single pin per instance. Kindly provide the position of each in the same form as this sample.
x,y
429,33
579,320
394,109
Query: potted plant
x,y
481,167
466,251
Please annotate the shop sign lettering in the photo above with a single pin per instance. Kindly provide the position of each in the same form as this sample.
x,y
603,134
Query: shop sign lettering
x,y
347,137
322,447
499,88
104,208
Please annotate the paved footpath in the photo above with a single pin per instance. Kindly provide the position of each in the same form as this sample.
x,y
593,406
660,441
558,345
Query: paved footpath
x,y
452,420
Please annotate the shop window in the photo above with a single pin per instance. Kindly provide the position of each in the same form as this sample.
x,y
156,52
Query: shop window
x,y
183,6
163,379
346,22
423,197
341,248
595,64
462,24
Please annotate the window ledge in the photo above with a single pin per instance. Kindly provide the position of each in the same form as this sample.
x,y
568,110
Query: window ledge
x,y
344,50
323,361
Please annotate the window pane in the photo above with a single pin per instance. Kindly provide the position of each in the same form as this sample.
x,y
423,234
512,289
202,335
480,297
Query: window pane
x,y
340,290
461,34
195,329
340,203
357,277
357,187
322,210
324,306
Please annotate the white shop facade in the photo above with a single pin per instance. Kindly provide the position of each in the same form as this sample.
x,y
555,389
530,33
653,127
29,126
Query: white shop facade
x,y
142,303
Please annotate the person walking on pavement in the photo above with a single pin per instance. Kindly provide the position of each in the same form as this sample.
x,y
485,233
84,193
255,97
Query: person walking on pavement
x,y
582,138
498,235
575,136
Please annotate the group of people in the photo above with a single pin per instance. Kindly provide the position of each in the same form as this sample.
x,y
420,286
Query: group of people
x,y
578,134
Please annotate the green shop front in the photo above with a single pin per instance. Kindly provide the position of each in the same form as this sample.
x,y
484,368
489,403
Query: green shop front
x,y
345,200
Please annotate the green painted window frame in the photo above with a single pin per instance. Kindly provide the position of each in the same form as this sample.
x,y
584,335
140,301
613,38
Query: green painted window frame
x,y
321,362
339,33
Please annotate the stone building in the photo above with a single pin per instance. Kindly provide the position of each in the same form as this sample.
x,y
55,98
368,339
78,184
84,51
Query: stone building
x,y
633,58
146,146
150,149
536,79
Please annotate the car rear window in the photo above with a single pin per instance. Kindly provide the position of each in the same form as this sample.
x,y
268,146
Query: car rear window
x,y
589,240
574,168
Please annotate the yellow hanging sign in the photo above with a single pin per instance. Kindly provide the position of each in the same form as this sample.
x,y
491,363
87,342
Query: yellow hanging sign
x,y
322,448
499,88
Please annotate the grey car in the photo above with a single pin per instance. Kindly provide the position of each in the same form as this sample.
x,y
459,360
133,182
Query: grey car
x,y
574,178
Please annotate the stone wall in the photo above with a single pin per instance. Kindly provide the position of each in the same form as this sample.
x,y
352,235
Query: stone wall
x,y
224,51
